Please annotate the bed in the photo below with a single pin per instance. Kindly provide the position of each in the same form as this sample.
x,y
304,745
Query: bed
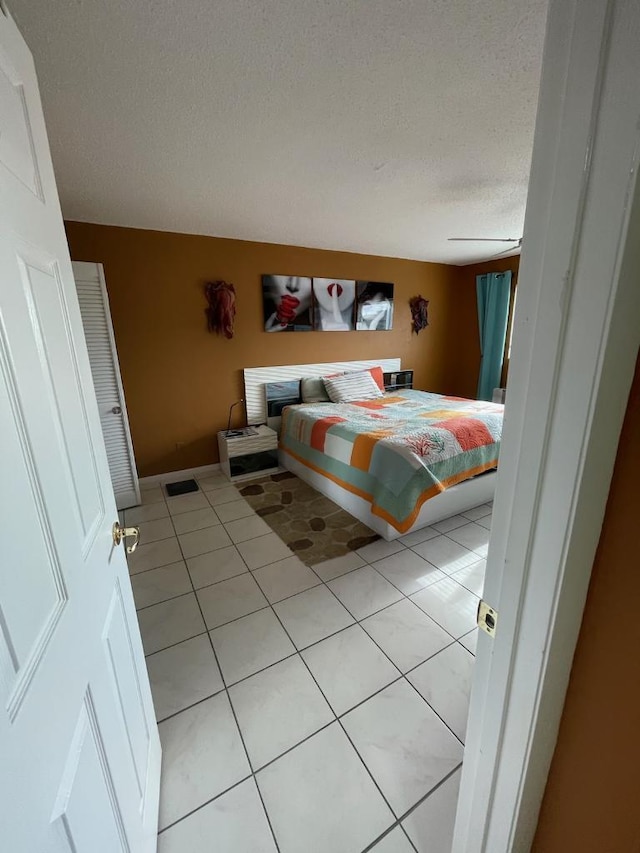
x,y
399,462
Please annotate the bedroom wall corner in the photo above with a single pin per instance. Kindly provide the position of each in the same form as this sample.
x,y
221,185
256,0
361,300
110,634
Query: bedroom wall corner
x,y
180,380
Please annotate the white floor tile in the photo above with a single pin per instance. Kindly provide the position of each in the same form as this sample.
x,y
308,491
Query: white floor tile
x,y
364,591
337,566
151,495
379,550
472,536
406,634
247,528
430,826
451,523
477,512
153,555
349,668
277,708
171,622
312,615
284,578
215,566
445,682
250,644
146,512
200,541
263,550
187,503
470,641
320,798
158,585
230,599
215,481
224,495
408,571
236,821
450,605
234,510
472,577
152,531
446,555
187,522
395,842
417,536
407,748
183,675
202,755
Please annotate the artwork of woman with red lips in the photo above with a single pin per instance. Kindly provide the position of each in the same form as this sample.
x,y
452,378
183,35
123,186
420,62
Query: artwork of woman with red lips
x,y
333,306
287,303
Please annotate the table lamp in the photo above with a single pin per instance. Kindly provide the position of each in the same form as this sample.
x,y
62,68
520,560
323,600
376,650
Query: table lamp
x,y
230,431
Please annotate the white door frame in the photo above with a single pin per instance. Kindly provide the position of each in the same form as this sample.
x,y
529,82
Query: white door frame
x,y
577,333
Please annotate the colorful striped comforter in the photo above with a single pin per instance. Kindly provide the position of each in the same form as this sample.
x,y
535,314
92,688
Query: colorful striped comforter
x,y
397,451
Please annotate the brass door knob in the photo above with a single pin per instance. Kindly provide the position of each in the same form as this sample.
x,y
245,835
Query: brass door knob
x,y
120,533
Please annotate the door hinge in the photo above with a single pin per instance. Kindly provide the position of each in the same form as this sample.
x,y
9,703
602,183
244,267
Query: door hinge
x,y
487,618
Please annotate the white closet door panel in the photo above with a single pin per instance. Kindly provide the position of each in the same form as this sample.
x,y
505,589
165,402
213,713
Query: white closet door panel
x,y
96,320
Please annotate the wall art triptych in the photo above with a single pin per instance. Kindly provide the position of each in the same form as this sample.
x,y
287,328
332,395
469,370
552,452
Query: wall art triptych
x,y
299,304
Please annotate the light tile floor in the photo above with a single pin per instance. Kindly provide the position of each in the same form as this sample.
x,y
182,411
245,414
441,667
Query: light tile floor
x,y
305,709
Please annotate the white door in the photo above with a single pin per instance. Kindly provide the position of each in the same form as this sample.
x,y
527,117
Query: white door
x,y
575,344
107,382
79,747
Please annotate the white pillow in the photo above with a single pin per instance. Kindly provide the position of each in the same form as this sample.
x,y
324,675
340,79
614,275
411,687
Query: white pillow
x,y
359,385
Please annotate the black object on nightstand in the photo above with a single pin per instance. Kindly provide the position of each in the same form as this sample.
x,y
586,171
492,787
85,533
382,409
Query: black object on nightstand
x,y
398,379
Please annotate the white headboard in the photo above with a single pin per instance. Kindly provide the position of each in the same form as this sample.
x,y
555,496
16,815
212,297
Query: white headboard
x,y
256,377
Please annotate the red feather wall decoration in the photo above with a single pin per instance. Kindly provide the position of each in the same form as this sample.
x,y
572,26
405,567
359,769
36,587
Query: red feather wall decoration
x,y
221,308
419,313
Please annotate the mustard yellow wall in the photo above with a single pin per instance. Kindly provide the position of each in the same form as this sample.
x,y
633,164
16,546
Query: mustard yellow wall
x,y
591,801
180,380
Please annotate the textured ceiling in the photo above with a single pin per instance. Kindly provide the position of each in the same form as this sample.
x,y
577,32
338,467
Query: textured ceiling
x,y
378,126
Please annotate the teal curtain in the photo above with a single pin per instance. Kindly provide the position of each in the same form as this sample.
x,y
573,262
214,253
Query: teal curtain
x,y
494,293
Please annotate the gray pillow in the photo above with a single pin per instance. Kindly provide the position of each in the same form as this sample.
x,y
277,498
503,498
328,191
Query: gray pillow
x,y
312,390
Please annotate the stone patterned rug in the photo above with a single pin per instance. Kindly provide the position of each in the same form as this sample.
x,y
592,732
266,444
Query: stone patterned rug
x,y
314,527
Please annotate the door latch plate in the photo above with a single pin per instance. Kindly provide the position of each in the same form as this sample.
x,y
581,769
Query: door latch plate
x,y
487,618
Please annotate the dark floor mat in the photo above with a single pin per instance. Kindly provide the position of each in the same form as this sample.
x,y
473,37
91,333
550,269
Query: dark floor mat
x,y
182,487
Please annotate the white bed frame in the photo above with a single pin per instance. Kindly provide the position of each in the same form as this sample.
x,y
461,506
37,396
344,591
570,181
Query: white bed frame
x,y
455,499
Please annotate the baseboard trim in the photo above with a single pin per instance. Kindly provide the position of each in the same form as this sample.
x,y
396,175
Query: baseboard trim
x,y
174,476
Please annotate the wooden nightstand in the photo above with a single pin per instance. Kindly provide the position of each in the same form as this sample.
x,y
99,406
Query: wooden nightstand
x,y
246,456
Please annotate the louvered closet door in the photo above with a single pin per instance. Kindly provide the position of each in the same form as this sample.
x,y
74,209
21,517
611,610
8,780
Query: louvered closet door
x,y
103,356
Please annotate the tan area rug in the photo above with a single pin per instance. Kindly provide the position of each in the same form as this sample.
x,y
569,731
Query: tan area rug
x,y
314,527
